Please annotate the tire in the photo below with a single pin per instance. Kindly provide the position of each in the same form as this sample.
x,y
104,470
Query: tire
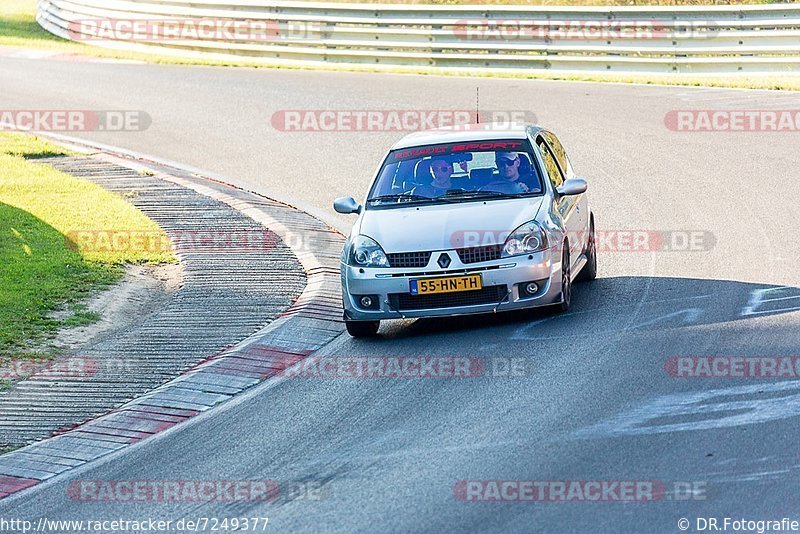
x,y
589,271
566,282
362,328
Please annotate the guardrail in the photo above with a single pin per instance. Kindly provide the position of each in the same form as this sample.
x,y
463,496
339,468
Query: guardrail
x,y
691,39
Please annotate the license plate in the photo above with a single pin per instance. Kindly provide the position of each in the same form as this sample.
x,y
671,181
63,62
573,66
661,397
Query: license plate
x,y
447,284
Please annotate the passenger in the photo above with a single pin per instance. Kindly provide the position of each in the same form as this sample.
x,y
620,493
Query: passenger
x,y
441,171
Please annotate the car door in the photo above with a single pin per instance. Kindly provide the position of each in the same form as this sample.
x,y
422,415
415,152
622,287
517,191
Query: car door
x,y
582,208
565,206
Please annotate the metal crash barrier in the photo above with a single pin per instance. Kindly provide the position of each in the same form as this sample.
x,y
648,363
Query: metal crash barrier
x,y
691,39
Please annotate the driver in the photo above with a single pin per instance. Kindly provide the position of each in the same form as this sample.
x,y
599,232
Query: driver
x,y
509,179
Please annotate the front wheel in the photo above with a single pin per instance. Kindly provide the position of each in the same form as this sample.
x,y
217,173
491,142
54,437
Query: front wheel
x,y
589,271
566,282
362,328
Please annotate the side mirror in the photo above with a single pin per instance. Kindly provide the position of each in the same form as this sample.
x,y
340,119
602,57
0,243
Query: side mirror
x,y
574,186
346,205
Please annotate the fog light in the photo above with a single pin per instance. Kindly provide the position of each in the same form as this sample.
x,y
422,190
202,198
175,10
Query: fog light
x,y
531,288
366,302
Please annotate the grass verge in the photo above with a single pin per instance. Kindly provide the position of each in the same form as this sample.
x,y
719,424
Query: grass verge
x,y
41,271
18,27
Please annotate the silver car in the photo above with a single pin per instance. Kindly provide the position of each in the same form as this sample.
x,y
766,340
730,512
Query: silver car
x,y
481,220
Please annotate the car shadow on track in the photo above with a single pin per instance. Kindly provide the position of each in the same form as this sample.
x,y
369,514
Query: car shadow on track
x,y
636,301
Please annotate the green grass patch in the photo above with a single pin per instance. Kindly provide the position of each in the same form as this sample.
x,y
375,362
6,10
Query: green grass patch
x,y
29,147
70,204
40,274
18,26
41,270
80,315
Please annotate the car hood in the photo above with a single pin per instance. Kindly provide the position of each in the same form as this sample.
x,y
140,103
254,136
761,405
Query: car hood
x,y
447,226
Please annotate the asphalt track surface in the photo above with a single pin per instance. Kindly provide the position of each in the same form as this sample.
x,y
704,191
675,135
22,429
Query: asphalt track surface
x,y
596,402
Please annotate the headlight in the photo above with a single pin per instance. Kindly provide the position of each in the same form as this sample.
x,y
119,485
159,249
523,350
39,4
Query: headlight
x,y
526,239
365,252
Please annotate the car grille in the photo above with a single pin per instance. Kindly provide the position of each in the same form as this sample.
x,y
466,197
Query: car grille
x,y
409,259
487,295
467,255
479,254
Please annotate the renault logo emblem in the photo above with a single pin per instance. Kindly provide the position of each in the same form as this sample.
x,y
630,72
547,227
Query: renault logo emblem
x,y
444,260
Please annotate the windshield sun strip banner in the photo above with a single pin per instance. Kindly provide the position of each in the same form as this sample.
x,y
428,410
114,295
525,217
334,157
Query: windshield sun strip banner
x,y
456,148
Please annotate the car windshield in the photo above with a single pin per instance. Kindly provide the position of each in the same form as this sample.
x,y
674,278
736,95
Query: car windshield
x,y
456,172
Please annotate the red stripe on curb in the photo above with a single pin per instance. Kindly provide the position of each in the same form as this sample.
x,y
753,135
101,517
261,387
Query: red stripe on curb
x,y
257,361
9,485
133,426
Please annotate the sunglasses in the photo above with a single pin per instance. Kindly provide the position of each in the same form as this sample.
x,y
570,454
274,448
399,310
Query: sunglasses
x,y
443,167
506,161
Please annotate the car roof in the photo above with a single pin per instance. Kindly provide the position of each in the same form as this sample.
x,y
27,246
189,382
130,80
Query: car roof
x,y
466,133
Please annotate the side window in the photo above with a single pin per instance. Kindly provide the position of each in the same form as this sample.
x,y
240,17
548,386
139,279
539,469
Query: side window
x,y
558,151
553,171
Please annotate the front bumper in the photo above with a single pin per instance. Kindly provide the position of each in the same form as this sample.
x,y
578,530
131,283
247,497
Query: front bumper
x,y
390,288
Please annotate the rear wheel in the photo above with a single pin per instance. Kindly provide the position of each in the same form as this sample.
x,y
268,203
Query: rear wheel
x,y
362,328
589,271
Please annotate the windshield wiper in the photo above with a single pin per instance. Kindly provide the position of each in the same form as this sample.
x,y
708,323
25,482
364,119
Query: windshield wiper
x,y
481,194
398,196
